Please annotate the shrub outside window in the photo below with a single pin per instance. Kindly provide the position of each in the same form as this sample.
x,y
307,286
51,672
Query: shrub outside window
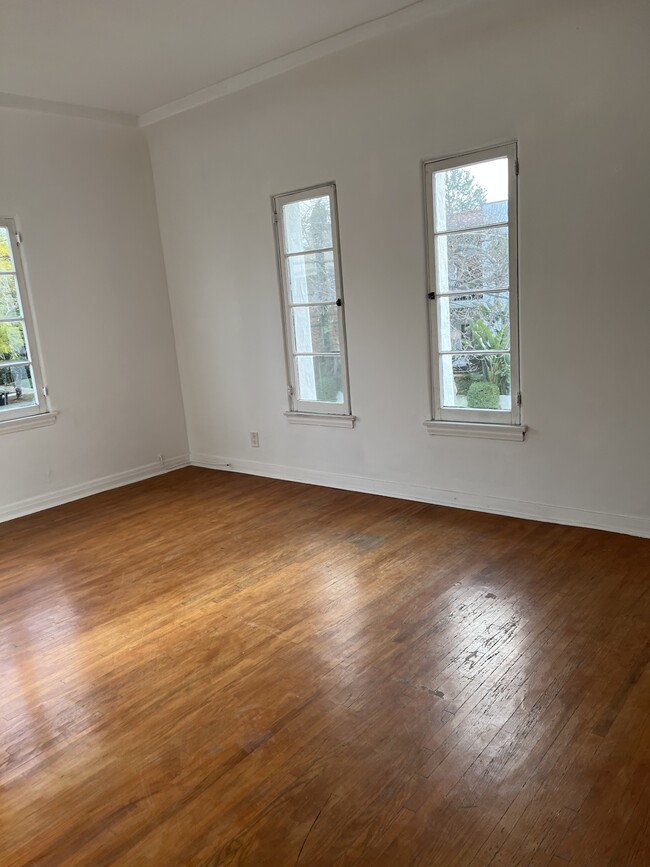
x,y
471,209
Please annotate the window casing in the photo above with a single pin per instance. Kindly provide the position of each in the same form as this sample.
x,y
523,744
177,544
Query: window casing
x,y
309,262
20,370
471,214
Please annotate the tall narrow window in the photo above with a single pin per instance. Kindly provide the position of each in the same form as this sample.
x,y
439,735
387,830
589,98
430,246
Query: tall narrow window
x,y
472,254
19,368
312,293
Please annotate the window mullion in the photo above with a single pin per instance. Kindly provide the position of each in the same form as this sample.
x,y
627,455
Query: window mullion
x,y
479,227
474,352
308,252
459,295
294,304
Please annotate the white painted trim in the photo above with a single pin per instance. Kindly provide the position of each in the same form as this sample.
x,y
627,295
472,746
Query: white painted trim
x,y
633,525
474,429
211,462
296,404
410,14
440,410
32,354
67,109
87,489
13,425
321,418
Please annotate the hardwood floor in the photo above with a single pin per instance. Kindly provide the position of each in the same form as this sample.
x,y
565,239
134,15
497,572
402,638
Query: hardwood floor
x,y
214,669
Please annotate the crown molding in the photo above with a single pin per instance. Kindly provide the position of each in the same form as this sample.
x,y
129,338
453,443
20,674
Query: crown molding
x,y
67,109
408,15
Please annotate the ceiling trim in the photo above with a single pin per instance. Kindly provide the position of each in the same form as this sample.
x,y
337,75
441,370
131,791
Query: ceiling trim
x,y
411,14
67,109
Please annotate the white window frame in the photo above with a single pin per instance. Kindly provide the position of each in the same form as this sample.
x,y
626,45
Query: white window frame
x,y
309,412
33,357
457,420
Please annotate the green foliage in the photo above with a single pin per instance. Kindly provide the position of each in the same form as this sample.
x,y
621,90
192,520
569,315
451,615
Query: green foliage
x,y
496,369
483,395
490,329
5,355
463,382
5,346
12,344
5,254
12,348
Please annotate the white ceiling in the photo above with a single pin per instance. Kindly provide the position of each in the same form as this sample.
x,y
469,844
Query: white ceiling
x,y
135,55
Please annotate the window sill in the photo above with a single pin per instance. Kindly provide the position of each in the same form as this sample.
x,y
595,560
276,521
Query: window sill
x,y
516,432
325,419
13,425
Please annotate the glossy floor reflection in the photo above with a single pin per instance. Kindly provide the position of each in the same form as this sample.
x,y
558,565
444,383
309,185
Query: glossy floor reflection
x,y
208,668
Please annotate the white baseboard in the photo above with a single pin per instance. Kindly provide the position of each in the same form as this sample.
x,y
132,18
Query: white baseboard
x,y
87,489
633,525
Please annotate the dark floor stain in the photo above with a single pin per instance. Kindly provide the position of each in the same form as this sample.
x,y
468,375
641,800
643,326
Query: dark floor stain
x,y
364,541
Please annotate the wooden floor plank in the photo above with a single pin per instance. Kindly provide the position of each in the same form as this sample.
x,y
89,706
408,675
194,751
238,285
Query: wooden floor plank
x,y
214,669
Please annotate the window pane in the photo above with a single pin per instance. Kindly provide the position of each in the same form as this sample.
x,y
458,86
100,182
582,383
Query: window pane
x,y
469,196
316,329
476,381
320,378
16,387
311,278
6,257
472,261
307,225
9,303
13,344
477,322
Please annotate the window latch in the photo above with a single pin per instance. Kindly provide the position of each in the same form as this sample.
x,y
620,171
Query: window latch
x,y
339,302
431,296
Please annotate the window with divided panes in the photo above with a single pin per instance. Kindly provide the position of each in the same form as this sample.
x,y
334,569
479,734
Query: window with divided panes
x,y
20,377
312,297
472,254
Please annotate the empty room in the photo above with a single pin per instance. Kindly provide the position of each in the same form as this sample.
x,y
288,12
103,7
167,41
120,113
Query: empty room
x,y
324,433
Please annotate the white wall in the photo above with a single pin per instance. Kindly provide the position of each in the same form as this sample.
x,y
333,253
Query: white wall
x,y
570,81
82,194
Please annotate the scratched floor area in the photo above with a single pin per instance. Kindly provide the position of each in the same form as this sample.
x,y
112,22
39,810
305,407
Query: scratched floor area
x,y
213,669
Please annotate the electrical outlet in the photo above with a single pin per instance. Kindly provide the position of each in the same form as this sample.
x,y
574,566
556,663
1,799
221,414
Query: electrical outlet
x,y
255,439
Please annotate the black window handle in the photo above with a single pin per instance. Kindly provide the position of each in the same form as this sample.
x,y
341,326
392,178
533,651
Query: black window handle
x,y
339,302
